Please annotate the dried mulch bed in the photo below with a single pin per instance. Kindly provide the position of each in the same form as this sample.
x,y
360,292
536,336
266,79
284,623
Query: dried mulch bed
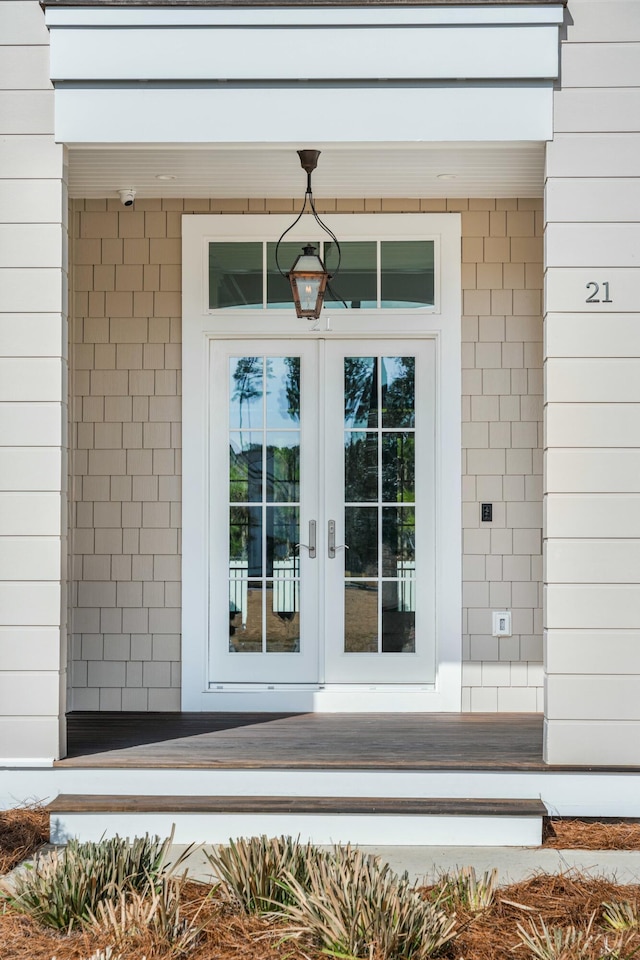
x,y
22,831
565,834
560,901
228,936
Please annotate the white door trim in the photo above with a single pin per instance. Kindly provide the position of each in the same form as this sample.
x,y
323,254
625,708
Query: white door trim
x,y
442,324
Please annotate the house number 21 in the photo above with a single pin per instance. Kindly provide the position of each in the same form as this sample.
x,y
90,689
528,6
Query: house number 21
x,y
595,288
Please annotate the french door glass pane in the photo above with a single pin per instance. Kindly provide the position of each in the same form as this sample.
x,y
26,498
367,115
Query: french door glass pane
x,y
247,387
407,274
398,467
380,558
283,466
235,275
398,391
278,287
360,392
264,504
245,466
283,616
360,617
356,285
360,466
361,536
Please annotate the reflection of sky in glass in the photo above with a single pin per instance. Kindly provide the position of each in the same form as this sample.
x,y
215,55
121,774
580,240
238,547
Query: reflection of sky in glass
x,y
283,392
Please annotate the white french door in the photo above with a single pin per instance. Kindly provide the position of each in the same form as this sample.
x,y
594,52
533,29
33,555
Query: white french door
x,y
322,511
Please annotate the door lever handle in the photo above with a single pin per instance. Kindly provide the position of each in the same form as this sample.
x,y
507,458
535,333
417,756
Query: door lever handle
x,y
311,546
331,541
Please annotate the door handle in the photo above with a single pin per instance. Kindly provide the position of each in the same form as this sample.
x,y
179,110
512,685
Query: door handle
x,y
331,541
311,546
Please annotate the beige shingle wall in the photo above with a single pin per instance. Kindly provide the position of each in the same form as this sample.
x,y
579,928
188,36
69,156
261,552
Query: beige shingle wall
x,y
126,438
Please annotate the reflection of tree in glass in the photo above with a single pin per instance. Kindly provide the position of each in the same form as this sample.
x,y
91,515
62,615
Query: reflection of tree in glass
x,y
398,391
361,391
248,385
360,466
361,533
245,470
283,472
398,467
292,387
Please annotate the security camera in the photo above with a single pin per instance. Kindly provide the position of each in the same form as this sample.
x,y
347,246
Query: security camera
x,y
127,196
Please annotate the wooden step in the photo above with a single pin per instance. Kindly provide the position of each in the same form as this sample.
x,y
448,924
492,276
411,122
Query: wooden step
x,y
414,821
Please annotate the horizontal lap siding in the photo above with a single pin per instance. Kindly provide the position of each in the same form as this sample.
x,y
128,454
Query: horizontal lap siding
x,y
592,361
33,401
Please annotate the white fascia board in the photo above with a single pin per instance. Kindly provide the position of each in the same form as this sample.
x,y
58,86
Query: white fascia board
x,y
286,113
349,52
320,16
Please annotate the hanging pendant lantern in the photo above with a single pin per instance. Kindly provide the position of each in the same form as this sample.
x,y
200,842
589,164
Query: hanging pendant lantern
x,y
308,276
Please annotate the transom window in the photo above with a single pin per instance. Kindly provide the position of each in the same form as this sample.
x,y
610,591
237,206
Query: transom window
x,y
374,274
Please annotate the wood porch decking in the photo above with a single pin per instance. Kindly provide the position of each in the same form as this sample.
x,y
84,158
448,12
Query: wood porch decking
x,y
309,741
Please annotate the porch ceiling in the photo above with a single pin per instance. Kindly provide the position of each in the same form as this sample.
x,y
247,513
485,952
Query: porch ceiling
x,y
491,169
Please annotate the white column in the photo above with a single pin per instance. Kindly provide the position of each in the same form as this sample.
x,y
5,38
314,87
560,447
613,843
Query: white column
x,y
33,395
592,377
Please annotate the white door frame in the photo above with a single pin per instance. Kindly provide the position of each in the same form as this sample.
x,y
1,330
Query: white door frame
x,y
200,325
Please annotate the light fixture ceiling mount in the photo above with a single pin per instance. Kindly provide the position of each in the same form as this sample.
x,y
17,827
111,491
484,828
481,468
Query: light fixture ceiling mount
x,y
309,276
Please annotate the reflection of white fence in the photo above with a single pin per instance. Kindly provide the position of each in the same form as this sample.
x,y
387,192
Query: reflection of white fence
x,y
238,590
285,588
285,592
406,587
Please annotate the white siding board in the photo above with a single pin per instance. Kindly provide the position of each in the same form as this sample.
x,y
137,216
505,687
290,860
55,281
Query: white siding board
x,y
233,15
262,114
593,155
597,244
30,604
26,111
592,742
28,693
32,379
591,335
22,23
29,158
349,53
591,380
32,245
592,606
30,468
599,515
593,200
31,335
30,558
40,202
601,65
24,68
25,648
593,698
30,514
36,290
601,21
566,289
600,109
592,652
589,471
593,561
592,425
30,424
